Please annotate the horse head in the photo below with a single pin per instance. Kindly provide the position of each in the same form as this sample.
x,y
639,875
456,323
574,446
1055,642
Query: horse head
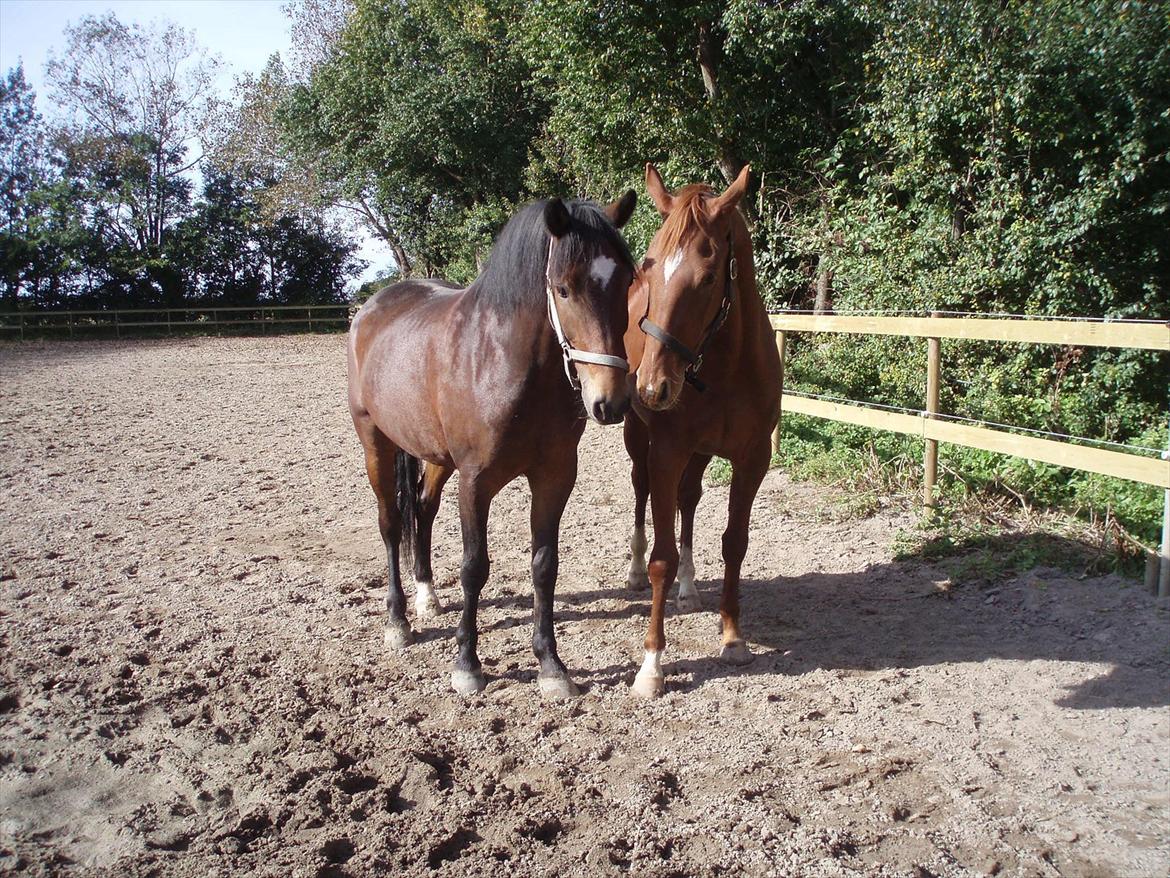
x,y
589,272
689,275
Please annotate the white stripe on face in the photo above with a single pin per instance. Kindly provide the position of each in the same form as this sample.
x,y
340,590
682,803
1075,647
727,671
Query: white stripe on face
x,y
602,270
671,265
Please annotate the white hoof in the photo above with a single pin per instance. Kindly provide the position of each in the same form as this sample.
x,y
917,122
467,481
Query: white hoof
x,y
648,685
427,604
557,687
468,682
735,653
688,602
638,580
398,635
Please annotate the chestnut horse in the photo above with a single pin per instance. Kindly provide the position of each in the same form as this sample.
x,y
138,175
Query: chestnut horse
x,y
708,382
493,381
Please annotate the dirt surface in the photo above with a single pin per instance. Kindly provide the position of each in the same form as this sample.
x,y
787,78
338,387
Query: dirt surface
x,y
193,682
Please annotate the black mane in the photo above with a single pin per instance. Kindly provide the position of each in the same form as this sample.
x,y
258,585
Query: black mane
x,y
515,272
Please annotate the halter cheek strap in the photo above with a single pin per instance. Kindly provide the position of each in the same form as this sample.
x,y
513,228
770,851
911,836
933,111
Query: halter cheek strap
x,y
694,358
569,353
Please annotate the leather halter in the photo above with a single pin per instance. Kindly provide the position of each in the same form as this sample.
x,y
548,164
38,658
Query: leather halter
x,y
694,358
568,352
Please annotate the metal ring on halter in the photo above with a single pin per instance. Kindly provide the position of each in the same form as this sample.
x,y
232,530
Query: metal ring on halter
x,y
568,352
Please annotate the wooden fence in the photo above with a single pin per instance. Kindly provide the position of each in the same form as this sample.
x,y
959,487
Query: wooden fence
x,y
137,321
930,424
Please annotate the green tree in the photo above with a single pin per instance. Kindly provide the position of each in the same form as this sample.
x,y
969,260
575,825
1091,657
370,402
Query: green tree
x,y
423,115
22,172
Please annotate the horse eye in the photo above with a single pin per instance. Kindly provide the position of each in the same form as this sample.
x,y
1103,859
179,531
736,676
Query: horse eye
x,y
563,291
708,279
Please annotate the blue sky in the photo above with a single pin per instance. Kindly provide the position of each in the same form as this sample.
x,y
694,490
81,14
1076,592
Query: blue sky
x,y
243,33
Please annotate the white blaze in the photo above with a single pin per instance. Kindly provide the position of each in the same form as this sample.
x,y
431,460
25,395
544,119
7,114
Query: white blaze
x,y
602,270
672,264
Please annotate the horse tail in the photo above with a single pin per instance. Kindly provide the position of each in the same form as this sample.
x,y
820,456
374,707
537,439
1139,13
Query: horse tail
x,y
406,468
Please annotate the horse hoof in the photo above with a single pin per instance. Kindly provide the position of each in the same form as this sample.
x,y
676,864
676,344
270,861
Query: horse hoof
x,y
688,603
468,682
557,687
427,606
398,635
736,653
638,581
648,685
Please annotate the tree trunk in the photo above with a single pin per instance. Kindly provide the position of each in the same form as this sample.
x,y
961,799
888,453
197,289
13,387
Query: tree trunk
x,y
728,161
824,284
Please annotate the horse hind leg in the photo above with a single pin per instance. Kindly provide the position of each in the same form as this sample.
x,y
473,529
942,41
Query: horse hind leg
x,y
689,492
746,477
380,469
637,445
426,602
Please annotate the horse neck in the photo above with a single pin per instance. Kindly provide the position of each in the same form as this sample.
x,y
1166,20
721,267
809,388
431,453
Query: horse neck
x,y
741,244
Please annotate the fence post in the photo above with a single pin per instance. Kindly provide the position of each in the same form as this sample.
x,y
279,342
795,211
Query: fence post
x,y
930,454
1164,573
781,346
117,326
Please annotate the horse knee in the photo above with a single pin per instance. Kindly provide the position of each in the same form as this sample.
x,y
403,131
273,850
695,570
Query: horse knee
x,y
474,572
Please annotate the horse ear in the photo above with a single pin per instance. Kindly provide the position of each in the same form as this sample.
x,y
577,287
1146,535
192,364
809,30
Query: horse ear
x,y
556,218
732,194
662,199
619,212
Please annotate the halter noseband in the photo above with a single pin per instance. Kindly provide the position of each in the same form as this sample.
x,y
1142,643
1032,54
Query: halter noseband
x,y
568,352
694,358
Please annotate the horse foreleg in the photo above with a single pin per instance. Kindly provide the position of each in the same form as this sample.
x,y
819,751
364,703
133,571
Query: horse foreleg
x,y
550,492
638,445
426,602
746,476
665,470
690,490
474,503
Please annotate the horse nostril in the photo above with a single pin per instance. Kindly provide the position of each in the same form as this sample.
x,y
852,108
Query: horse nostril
x,y
663,392
601,412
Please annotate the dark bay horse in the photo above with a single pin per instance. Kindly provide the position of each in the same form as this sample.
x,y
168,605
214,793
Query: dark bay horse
x,y
708,382
493,381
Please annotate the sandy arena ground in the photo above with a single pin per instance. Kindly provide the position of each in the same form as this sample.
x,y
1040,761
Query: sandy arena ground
x,y
193,682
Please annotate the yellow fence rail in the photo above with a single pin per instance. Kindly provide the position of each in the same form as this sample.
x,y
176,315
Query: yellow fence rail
x,y
927,424
129,321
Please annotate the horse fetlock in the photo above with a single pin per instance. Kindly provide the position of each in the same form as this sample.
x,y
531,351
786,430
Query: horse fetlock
x,y
736,653
426,603
468,682
398,634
